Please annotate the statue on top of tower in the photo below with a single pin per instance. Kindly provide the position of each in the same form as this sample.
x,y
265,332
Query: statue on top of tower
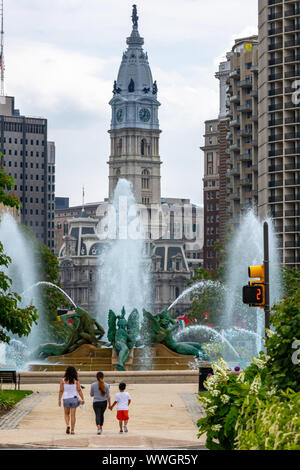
x,y
134,16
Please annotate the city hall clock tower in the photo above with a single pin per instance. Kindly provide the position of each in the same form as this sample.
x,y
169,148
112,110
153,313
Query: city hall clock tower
x,y
134,131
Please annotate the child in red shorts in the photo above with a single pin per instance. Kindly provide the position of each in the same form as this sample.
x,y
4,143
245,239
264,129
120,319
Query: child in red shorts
x,y
122,400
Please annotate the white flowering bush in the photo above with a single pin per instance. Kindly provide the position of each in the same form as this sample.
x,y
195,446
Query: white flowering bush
x,y
225,397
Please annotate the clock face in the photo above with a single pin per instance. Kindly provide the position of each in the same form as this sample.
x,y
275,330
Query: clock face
x,y
120,115
144,114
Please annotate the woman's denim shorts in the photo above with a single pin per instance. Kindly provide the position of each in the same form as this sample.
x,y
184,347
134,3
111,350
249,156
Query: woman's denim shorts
x,y
71,402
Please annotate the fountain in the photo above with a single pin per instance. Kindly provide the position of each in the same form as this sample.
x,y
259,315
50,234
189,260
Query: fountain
x,y
124,271
23,274
245,249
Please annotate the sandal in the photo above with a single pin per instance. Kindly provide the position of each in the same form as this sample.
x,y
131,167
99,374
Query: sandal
x,y
72,432
68,430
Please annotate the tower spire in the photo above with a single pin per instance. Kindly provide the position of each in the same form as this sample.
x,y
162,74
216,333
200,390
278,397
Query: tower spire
x,y
1,51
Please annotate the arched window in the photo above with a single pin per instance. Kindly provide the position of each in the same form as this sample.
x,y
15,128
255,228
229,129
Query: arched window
x,y
145,179
131,86
143,147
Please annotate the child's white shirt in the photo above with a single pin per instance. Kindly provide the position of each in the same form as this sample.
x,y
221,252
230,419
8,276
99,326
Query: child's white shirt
x,y
122,399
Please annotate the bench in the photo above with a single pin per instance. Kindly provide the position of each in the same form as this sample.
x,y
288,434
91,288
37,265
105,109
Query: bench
x,y
10,376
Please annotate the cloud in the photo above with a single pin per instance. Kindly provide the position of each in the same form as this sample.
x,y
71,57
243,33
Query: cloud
x,y
62,57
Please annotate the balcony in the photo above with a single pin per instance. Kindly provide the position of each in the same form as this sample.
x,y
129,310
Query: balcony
x,y
273,199
292,58
292,27
245,83
292,43
292,244
245,157
235,73
234,196
275,153
254,118
292,197
278,45
275,122
234,123
292,120
292,228
292,182
274,138
275,16
293,214
245,107
277,91
275,168
246,182
292,166
234,148
277,61
292,74
292,150
275,76
276,107
254,68
254,142
292,135
234,99
273,184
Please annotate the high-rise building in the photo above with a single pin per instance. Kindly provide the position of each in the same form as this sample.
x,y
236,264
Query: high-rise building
x,y
279,123
211,194
30,159
242,149
223,76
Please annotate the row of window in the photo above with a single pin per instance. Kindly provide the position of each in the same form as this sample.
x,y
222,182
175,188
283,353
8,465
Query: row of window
x,y
212,207
210,219
211,230
212,194
21,127
16,153
15,140
4,163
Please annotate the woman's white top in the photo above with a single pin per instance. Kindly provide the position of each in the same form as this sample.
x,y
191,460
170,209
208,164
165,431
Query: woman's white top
x,y
70,390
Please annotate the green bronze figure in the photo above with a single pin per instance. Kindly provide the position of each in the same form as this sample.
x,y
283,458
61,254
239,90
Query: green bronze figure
x,y
83,329
159,329
123,334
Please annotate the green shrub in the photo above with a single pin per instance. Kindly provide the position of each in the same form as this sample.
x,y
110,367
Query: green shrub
x,y
275,425
284,372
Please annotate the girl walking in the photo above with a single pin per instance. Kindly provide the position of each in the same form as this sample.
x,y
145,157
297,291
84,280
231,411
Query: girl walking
x,y
100,392
69,390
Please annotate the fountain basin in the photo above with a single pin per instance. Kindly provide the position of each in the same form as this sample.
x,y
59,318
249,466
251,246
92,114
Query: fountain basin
x,y
90,358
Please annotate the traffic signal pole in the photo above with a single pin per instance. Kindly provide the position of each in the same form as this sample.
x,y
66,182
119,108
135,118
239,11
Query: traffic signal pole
x,y
267,278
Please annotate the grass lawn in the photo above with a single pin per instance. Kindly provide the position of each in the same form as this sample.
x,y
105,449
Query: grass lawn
x,y
8,398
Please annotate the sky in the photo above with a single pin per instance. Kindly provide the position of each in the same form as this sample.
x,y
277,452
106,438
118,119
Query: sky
x,y
62,57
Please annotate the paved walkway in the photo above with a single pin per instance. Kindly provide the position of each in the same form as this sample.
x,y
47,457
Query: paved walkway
x,y
161,416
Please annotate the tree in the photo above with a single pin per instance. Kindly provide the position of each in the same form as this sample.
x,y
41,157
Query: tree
x,y
13,320
283,361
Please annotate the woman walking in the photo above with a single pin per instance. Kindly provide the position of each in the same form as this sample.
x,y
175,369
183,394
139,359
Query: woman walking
x,y
69,390
100,392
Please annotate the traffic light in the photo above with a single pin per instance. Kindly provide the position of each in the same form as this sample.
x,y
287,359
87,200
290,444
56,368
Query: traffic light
x,y
254,293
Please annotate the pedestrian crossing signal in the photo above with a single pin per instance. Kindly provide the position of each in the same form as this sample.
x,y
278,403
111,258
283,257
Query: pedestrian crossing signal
x,y
253,295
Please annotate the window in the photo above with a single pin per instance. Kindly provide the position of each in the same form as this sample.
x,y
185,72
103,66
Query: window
x,y
145,179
